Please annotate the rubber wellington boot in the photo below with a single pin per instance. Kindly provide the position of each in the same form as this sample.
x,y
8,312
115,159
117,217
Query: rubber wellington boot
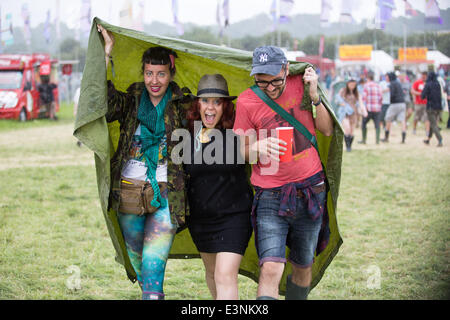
x,y
351,142
265,298
295,292
347,143
386,136
364,136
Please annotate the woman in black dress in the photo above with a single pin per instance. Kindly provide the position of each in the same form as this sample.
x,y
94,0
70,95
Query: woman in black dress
x,y
219,195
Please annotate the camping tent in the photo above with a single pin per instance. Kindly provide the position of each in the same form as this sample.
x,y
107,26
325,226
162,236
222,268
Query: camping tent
x,y
195,60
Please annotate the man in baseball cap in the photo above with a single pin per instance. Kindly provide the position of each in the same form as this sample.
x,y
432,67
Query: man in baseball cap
x,y
277,219
268,60
270,69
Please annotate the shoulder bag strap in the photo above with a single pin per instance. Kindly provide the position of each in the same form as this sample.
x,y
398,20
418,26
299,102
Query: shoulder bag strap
x,y
285,115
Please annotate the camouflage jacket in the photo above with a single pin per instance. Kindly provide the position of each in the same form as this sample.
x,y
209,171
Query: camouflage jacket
x,y
123,107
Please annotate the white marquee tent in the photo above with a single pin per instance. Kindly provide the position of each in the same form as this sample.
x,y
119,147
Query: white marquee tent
x,y
380,63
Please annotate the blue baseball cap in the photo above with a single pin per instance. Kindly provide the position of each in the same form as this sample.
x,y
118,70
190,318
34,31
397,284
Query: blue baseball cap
x,y
268,60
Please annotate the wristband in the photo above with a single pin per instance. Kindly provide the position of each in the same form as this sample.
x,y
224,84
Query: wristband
x,y
318,102
314,107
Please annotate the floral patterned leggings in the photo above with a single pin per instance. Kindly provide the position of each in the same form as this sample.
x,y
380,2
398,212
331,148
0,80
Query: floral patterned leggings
x,y
148,240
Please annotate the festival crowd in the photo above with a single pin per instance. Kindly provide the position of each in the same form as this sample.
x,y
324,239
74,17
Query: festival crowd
x,y
393,97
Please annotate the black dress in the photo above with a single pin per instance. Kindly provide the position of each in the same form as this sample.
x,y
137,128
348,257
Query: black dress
x,y
219,196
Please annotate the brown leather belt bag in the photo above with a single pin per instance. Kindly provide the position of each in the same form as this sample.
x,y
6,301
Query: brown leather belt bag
x,y
136,196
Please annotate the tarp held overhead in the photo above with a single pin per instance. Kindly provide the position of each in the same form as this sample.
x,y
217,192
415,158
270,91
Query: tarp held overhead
x,y
194,60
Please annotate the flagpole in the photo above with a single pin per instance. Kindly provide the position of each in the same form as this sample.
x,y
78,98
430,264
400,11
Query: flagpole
x,y
404,46
1,49
273,14
58,30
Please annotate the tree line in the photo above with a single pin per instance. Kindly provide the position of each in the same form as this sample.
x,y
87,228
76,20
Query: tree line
x,y
72,49
310,45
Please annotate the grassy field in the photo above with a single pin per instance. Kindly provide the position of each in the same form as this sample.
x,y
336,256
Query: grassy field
x,y
393,214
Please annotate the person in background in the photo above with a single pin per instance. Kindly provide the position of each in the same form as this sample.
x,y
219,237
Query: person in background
x,y
406,86
220,198
46,96
432,92
362,81
350,105
441,81
328,80
447,90
372,98
384,84
419,103
397,108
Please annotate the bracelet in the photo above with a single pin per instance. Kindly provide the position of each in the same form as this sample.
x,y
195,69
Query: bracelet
x,y
318,102
112,65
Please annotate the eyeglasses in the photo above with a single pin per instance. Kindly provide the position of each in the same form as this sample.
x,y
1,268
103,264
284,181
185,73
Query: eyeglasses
x,y
275,82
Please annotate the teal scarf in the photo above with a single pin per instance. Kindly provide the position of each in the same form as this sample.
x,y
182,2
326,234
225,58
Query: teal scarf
x,y
152,131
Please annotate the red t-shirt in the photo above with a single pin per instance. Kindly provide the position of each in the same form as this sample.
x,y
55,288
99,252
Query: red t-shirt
x,y
253,113
418,86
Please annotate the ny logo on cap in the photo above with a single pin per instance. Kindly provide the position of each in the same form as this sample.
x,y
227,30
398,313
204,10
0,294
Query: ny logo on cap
x,y
263,57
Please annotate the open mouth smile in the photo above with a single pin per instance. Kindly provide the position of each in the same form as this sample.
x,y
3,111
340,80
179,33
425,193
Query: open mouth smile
x,y
209,118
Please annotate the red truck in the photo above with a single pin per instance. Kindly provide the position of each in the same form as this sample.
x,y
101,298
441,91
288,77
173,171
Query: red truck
x,y
20,76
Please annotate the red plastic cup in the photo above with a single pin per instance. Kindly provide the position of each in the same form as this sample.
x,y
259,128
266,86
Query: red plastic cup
x,y
287,135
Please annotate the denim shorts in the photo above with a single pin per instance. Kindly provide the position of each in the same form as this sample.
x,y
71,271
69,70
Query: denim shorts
x,y
273,232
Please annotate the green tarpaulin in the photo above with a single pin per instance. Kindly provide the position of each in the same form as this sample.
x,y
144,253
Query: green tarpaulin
x,y
194,60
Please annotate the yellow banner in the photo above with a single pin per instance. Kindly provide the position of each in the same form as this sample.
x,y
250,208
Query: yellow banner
x,y
413,54
355,52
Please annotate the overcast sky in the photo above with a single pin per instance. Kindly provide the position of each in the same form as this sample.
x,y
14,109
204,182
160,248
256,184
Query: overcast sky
x,y
201,12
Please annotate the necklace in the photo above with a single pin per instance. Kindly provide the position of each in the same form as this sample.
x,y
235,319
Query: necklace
x,y
201,137
204,136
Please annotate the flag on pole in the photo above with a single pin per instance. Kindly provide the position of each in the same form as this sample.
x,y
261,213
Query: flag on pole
x,y
432,12
126,14
285,10
26,23
1,43
85,17
321,45
177,23
273,13
47,28
409,10
346,11
325,13
57,21
384,12
139,21
226,12
219,19
6,29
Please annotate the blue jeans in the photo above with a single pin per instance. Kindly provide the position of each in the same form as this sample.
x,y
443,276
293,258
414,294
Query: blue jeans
x,y
273,232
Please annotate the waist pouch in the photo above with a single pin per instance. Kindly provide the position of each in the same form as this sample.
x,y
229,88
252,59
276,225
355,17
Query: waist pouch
x,y
136,196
